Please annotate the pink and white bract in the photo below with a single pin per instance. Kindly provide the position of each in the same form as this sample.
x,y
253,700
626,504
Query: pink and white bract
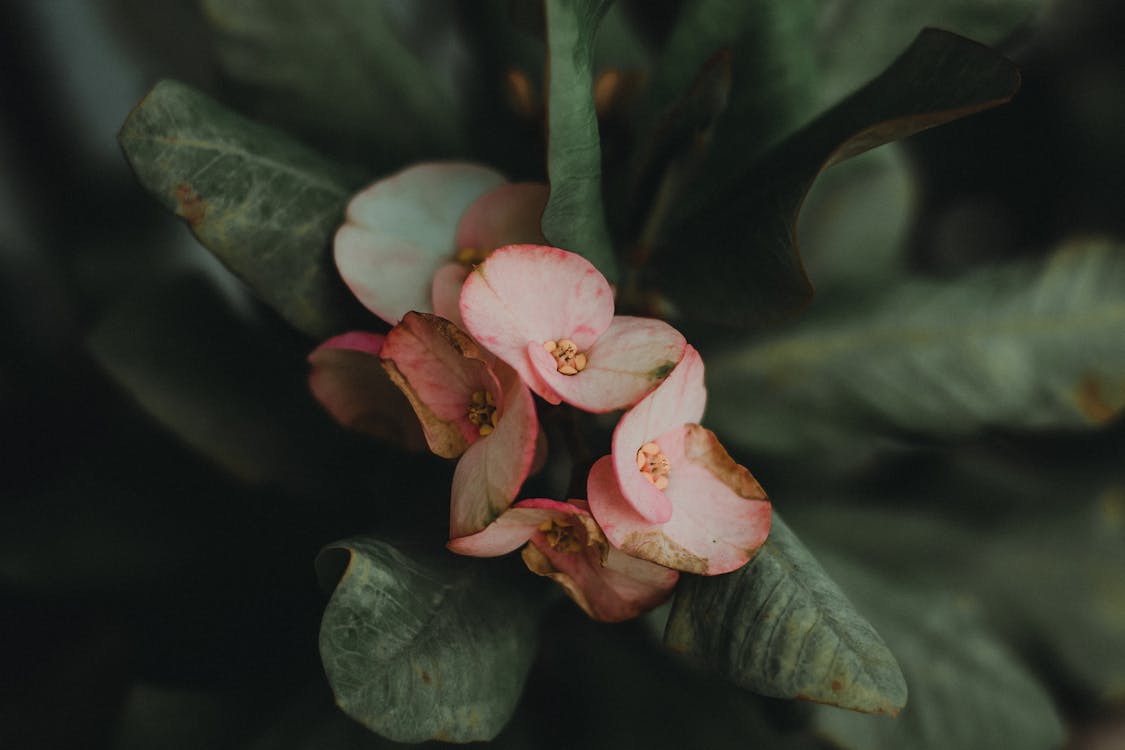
x,y
549,314
409,239
669,492
565,544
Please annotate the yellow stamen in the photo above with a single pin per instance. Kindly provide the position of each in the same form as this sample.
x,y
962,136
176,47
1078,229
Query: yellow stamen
x,y
654,465
482,412
568,360
561,535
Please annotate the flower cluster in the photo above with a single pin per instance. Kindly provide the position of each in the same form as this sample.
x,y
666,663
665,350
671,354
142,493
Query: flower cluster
x,y
484,315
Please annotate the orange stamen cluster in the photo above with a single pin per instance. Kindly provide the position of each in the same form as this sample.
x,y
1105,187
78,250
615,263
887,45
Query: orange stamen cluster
x,y
561,535
569,361
654,465
482,412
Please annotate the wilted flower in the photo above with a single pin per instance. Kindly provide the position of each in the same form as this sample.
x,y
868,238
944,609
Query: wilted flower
x,y
469,406
565,544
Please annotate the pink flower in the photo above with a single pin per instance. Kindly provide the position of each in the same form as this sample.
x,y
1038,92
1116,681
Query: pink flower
x,y
467,408
409,239
670,493
566,545
348,379
549,314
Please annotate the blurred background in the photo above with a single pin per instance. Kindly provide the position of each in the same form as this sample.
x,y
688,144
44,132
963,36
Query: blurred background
x,y
163,491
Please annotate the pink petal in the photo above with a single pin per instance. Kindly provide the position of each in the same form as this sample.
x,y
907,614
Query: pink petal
x,y
677,401
489,475
439,368
360,341
608,585
720,517
401,229
626,362
526,294
447,292
507,215
349,381
511,529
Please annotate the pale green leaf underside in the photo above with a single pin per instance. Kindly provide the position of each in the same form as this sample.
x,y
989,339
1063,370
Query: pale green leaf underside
x,y
261,202
1028,347
575,217
780,626
425,648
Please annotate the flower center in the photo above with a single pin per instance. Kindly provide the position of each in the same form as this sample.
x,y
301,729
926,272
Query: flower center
x,y
561,535
482,412
568,360
470,256
654,465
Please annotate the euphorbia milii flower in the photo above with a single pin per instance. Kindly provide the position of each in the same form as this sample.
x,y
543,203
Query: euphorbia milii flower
x,y
565,544
670,493
549,314
410,239
470,407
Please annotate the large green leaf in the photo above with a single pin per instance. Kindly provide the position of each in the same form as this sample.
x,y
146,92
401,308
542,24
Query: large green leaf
x,y
855,38
966,690
772,72
575,217
1028,347
423,648
1052,583
731,254
781,627
368,79
262,203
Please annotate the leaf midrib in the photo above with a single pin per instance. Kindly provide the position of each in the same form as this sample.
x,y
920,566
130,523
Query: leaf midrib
x,y
814,347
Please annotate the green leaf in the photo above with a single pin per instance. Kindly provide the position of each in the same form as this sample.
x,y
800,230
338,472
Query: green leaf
x,y
1051,583
575,217
855,39
266,206
781,627
772,71
368,79
1028,347
1060,584
425,648
745,227
854,224
966,690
